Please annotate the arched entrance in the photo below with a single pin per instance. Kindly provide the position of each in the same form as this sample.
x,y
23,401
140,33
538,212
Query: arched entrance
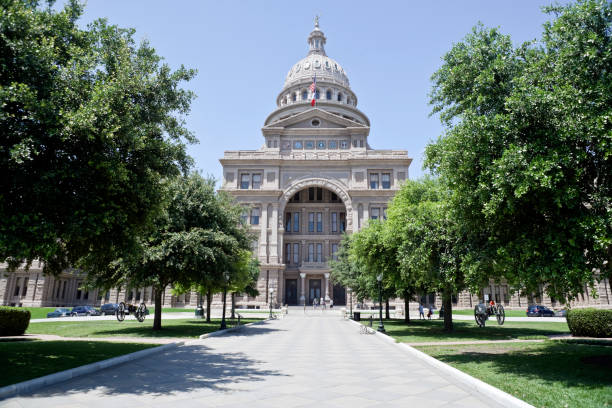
x,y
314,218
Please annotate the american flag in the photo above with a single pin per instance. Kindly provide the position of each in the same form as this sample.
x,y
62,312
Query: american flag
x,y
313,88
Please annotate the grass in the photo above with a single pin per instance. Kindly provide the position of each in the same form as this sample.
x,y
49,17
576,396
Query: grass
x,y
421,331
128,328
25,360
549,374
509,313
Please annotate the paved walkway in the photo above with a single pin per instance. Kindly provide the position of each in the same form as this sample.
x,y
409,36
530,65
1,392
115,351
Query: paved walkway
x,y
309,360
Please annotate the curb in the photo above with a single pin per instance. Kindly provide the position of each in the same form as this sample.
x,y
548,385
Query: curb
x,y
32,385
472,383
231,329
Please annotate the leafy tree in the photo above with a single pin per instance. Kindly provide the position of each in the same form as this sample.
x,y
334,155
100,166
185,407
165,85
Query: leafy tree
x,y
429,244
90,125
198,237
527,151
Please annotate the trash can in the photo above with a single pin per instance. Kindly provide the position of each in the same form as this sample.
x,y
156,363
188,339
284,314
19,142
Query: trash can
x,y
357,316
199,312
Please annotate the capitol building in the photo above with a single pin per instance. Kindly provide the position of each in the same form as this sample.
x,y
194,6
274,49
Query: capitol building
x,y
314,178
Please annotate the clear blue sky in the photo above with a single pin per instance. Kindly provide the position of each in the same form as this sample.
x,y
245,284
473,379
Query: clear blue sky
x,y
244,49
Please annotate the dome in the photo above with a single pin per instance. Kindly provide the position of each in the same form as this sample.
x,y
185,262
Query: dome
x,y
325,68
316,63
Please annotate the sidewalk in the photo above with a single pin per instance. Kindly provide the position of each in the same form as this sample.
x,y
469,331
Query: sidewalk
x,y
304,360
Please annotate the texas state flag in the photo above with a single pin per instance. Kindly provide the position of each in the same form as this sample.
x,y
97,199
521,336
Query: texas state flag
x,y
313,88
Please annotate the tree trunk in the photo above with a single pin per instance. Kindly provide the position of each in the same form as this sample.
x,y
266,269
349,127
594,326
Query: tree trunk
x,y
233,303
158,310
448,310
406,307
223,311
387,315
208,302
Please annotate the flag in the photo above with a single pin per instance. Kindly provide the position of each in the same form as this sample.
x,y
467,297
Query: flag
x,y
313,89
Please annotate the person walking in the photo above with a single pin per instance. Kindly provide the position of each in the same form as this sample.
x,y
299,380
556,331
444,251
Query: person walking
x,y
322,304
429,313
421,312
331,303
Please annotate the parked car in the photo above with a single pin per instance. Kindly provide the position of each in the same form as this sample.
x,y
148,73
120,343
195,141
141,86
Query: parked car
x,y
84,311
109,308
59,312
539,311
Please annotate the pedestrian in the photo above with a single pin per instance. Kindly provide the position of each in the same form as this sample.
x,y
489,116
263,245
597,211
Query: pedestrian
x,y
429,313
421,313
331,303
314,303
322,303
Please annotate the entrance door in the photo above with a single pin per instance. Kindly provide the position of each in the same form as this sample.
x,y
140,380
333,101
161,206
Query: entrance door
x,y
291,292
339,295
314,290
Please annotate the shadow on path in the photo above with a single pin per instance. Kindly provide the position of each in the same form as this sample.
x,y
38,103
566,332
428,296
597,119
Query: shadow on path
x,y
187,368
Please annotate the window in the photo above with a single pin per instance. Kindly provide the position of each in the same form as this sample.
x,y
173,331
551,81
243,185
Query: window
x,y
310,252
107,295
328,95
78,294
86,295
317,94
17,284
311,222
287,254
384,213
59,286
256,181
374,181
332,144
375,213
296,253
25,287
304,95
334,222
296,222
244,181
344,144
309,144
255,216
297,144
319,222
294,97
319,194
334,249
342,221
244,216
288,222
334,197
386,181
64,290
319,253
311,193
340,97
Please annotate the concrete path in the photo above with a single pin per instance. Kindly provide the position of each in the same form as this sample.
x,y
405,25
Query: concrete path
x,y
313,360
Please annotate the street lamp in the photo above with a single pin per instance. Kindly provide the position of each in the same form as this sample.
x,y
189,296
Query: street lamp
x,y
271,291
226,278
381,326
350,291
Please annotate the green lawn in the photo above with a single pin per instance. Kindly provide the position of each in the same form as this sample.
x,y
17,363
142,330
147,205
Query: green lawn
x,y
509,313
549,374
128,328
419,331
25,360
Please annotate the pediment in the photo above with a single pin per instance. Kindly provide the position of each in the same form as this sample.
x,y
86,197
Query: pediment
x,y
304,120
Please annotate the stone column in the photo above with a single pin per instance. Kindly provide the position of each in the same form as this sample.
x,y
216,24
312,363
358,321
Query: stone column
x,y
302,291
327,297
3,291
167,300
326,222
274,244
263,233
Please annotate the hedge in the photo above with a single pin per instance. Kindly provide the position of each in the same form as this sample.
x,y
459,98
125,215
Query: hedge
x,y
13,321
590,322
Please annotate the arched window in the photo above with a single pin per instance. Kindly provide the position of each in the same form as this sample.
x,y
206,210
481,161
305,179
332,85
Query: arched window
x,y
339,96
348,101
294,96
317,94
328,94
304,95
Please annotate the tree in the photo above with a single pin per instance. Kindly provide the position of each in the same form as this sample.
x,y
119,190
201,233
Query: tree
x,y
527,154
429,244
198,238
91,124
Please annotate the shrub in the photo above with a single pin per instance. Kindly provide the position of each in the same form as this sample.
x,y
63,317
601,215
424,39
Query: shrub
x,y
590,322
13,321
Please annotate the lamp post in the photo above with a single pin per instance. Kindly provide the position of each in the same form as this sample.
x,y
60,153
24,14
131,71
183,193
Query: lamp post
x,y
271,292
351,302
381,326
226,278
